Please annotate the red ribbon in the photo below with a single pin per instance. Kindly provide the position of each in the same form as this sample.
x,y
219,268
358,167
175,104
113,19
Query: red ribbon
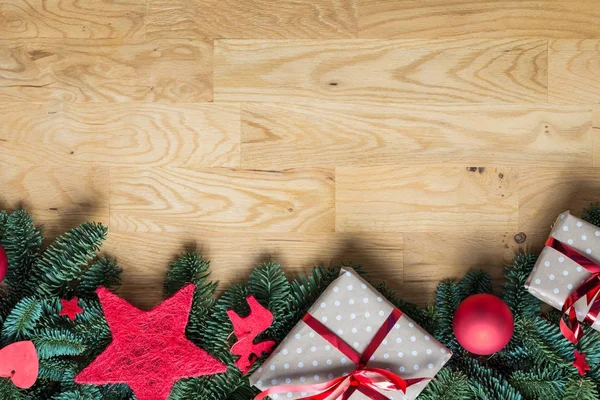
x,y
365,380
589,289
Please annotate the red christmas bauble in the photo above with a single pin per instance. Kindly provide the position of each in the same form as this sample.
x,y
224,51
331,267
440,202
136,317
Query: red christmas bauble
x,y
3,263
483,324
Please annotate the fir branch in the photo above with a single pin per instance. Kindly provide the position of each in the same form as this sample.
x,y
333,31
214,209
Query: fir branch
x,y
3,221
448,298
21,322
66,260
270,287
201,307
9,299
8,391
116,392
516,296
543,341
58,342
188,268
548,384
191,268
581,389
103,272
475,282
448,385
83,392
589,344
21,241
594,374
216,335
91,326
54,369
216,387
487,383
50,318
591,214
243,392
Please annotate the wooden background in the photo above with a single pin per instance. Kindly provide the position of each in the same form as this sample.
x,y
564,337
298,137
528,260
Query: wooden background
x,y
416,137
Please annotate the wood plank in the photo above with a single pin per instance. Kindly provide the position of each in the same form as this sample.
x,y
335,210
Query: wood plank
x,y
58,198
426,199
76,70
478,18
127,134
432,257
252,19
221,200
334,134
573,70
596,134
90,19
545,193
409,71
145,256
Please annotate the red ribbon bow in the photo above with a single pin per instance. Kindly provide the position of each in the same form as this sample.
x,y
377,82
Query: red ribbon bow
x,y
589,289
365,380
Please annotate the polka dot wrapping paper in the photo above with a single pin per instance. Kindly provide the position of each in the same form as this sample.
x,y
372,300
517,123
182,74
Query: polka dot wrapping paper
x,y
354,311
555,276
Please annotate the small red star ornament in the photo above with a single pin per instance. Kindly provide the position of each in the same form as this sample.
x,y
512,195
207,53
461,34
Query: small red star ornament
x,y
149,351
70,308
580,363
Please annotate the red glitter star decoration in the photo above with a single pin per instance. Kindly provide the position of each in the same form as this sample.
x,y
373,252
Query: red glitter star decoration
x,y
70,308
149,351
580,363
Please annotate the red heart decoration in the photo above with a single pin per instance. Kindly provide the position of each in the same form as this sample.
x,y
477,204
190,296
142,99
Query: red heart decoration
x,y
19,362
3,263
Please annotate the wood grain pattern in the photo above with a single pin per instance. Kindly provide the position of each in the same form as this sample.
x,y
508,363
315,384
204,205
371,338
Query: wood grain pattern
x,y
431,257
176,199
416,71
58,198
478,18
415,137
545,193
129,134
89,19
145,256
596,134
426,199
573,70
288,135
252,19
166,70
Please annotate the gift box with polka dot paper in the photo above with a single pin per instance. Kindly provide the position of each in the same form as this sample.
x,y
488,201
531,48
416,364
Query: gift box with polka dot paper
x,y
354,311
555,276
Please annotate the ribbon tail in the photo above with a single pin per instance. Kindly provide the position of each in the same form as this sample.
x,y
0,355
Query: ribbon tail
x,y
573,333
333,392
325,389
371,393
572,329
382,379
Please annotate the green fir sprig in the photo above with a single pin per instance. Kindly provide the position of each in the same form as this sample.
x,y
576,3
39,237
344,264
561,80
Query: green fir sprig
x,y
535,365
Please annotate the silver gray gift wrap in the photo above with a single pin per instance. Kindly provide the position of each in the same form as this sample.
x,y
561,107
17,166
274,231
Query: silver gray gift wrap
x,y
555,276
354,310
